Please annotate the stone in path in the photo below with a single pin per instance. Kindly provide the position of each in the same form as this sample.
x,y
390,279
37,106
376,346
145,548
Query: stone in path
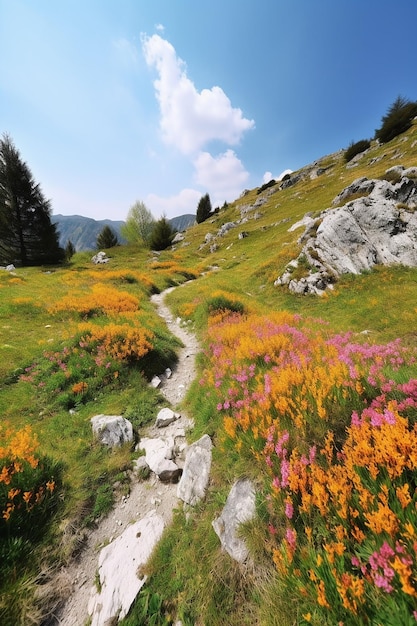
x,y
194,480
119,569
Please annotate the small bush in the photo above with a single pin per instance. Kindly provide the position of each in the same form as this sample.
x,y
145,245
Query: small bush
x,y
270,183
221,302
29,485
356,148
142,410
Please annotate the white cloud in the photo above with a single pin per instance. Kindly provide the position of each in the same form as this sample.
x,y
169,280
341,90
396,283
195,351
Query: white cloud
x,y
184,202
190,119
160,27
224,176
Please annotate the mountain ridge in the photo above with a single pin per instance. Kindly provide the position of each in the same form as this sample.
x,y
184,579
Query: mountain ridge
x,y
83,231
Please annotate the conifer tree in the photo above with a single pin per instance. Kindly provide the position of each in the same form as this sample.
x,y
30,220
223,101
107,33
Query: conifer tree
x,y
27,236
203,209
107,238
397,120
162,235
69,250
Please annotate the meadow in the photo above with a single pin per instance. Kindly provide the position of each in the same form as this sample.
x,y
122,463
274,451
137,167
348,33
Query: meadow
x,y
313,398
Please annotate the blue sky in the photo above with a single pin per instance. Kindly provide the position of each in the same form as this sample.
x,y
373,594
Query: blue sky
x,y
162,101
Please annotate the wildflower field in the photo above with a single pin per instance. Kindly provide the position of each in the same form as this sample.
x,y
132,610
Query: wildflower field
x,y
329,423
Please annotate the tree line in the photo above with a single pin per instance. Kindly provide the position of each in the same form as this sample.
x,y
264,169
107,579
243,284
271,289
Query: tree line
x,y
28,236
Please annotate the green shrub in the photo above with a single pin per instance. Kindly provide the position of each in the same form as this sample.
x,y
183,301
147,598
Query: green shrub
x,y
143,409
356,148
13,552
223,303
270,183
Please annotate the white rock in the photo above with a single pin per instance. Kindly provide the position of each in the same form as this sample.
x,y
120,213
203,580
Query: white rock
x,y
112,430
239,508
194,480
119,569
165,417
155,382
159,454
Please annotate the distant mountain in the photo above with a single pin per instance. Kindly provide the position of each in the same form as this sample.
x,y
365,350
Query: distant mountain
x,y
83,231
182,222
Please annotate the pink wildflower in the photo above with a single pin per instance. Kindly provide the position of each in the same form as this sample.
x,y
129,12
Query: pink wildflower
x,y
289,509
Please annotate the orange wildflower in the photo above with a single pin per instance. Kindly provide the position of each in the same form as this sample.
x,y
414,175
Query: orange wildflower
x,y
79,388
321,595
5,475
8,511
13,493
403,495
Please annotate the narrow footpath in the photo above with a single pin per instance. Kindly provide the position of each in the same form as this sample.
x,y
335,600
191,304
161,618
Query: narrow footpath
x,y
78,578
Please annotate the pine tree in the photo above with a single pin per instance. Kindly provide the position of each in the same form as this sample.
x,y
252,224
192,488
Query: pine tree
x,y
398,119
162,235
27,236
203,209
106,238
69,250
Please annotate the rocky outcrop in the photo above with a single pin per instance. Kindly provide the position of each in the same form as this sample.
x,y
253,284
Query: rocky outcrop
x,y
375,224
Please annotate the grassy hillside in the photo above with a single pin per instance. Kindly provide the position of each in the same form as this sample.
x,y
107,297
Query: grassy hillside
x,y
64,359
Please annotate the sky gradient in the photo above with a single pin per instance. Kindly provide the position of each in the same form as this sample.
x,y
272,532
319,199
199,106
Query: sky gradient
x,y
162,101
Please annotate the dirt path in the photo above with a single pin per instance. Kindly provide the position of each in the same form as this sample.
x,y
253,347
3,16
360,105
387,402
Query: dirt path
x,y
144,496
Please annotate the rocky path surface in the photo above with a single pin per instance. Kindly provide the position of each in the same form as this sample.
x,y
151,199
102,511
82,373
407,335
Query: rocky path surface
x,y
79,577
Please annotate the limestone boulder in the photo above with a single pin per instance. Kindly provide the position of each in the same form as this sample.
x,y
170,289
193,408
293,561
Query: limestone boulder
x,y
165,417
239,508
112,430
196,473
159,455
